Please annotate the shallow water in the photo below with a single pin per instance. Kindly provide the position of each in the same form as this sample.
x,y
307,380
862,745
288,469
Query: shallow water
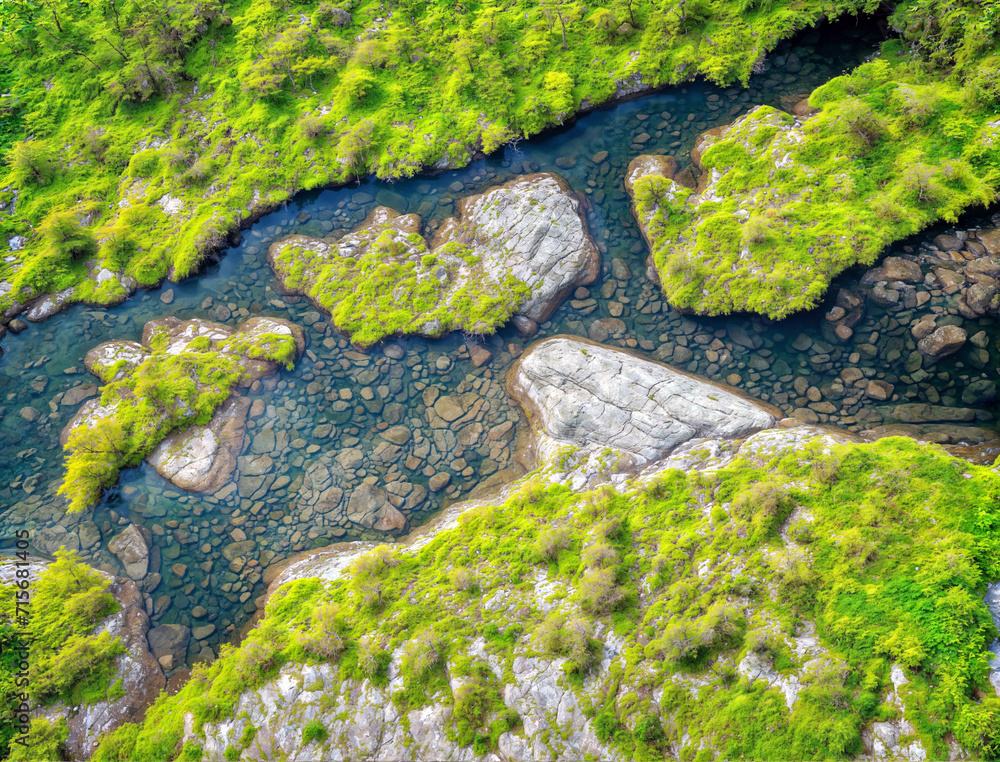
x,y
325,416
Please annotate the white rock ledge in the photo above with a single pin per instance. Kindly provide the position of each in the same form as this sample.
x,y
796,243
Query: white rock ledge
x,y
593,397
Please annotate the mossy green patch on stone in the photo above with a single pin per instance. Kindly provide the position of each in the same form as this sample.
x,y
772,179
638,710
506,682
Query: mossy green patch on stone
x,y
179,378
785,204
391,284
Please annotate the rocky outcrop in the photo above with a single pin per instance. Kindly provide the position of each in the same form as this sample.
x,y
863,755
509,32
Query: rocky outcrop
x,y
993,602
588,396
203,458
534,229
739,271
514,251
141,675
180,334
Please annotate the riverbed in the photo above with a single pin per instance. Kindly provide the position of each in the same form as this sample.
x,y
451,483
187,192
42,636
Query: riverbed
x,y
323,421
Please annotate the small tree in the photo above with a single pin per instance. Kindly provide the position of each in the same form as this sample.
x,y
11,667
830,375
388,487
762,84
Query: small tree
x,y
63,235
423,653
354,86
370,54
31,163
323,637
599,592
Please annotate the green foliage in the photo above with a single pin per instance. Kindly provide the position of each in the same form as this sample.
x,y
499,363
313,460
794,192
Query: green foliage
x,y
477,703
46,741
218,104
31,164
892,150
143,403
314,731
68,662
902,540
144,164
118,745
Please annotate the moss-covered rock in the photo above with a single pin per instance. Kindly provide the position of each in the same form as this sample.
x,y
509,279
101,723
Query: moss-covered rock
x,y
91,669
178,376
517,249
784,203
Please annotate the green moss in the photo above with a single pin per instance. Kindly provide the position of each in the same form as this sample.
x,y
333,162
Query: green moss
x,y
903,538
392,285
893,149
141,404
46,740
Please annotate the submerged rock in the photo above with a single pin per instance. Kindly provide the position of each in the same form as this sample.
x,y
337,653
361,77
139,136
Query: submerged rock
x,y
942,342
132,549
514,251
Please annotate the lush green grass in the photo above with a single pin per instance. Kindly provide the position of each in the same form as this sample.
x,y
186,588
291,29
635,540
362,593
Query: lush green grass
x,y
143,403
891,546
68,663
896,146
230,108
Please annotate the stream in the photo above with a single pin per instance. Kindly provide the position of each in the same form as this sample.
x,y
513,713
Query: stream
x,y
322,421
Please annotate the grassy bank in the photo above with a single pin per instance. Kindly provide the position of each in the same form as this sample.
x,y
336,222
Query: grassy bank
x,y
881,551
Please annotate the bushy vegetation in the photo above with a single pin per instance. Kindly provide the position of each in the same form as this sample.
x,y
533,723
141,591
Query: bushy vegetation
x,y
162,127
902,540
68,662
46,740
897,145
141,403
394,284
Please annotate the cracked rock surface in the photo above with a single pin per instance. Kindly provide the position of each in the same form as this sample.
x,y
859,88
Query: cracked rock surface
x,y
594,397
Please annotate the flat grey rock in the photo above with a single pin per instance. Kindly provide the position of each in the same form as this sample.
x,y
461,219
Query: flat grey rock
x,y
591,396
